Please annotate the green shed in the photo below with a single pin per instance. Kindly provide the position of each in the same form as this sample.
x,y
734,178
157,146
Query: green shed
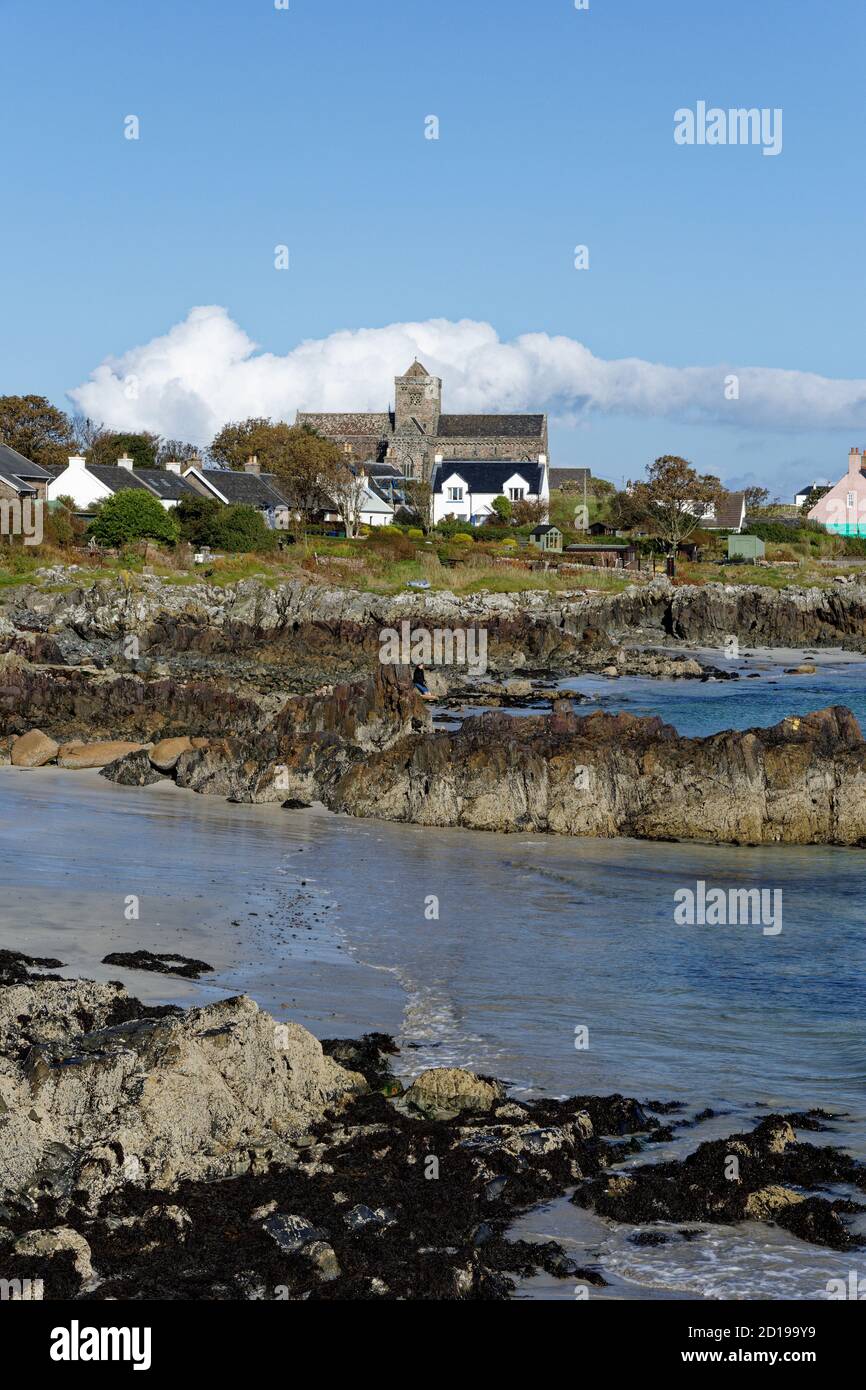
x,y
546,538
745,548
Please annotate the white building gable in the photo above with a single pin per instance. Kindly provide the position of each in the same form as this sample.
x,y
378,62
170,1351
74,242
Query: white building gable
x,y
77,482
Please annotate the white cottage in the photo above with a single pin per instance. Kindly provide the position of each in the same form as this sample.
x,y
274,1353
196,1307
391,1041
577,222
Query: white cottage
x,y
465,488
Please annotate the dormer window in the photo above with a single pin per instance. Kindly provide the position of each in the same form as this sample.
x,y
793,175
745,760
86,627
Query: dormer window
x,y
517,494
455,494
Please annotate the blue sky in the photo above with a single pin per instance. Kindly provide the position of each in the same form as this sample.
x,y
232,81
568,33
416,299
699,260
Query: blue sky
x,y
305,127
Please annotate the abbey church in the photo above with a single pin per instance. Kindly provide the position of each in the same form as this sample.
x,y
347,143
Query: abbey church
x,y
415,435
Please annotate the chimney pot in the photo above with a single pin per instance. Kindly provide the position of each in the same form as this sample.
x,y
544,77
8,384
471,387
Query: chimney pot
x,y
252,464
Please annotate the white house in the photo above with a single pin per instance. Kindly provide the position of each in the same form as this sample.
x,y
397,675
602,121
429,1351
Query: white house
x,y
465,488
89,484
807,493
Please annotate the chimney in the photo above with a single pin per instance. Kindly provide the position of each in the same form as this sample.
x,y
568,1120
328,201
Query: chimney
x,y
173,466
252,464
77,462
125,462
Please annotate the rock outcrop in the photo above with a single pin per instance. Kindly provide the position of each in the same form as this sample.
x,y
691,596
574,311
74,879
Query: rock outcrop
x,y
801,782
151,1100
333,1184
304,631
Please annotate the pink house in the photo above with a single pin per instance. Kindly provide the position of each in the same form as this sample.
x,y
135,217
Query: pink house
x,y
843,509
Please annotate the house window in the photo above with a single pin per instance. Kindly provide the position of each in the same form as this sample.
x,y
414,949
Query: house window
x,y
516,493
850,499
455,494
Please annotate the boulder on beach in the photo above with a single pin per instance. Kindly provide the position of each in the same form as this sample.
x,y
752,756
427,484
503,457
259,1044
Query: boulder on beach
x,y
165,754
451,1090
155,1100
82,755
34,749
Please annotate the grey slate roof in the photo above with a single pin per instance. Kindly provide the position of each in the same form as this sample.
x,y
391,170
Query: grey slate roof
x,y
254,489
168,486
483,426
18,471
488,475
569,477
116,478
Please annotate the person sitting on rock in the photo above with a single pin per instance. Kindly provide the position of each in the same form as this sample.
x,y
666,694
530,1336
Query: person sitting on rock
x,y
419,680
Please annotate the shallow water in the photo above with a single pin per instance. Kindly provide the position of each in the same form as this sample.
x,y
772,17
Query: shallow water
x,y
763,695
488,951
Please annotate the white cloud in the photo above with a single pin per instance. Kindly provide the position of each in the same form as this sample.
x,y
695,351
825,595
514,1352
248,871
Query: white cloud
x,y
206,371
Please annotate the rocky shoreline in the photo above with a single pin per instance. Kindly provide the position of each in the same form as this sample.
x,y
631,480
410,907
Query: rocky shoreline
x,y
369,749
278,639
152,1153
213,688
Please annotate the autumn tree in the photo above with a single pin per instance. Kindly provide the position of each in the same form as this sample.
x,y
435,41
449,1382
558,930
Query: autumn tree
x,y
756,497
676,499
256,437
36,428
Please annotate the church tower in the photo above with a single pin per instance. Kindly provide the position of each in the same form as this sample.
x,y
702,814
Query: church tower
x,y
418,395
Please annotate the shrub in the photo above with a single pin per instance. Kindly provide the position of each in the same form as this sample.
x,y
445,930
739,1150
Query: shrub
x,y
455,528
195,516
415,533
133,514
239,527
462,538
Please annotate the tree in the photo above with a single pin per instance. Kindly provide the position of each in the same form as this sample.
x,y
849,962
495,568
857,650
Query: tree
x,y
756,497
243,439
676,498
305,463
110,445
309,469
36,428
132,514
528,511
502,507
347,492
625,511
85,432
815,495
419,501
176,450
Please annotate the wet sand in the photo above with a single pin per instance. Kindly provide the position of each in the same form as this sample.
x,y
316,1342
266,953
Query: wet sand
x,y
222,883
